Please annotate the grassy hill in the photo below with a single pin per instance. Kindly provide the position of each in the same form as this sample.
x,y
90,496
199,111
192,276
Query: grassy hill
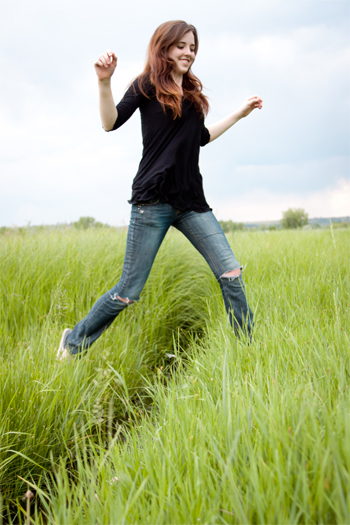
x,y
226,431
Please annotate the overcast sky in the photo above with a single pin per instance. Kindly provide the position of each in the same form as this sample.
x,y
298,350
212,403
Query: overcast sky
x,y
57,164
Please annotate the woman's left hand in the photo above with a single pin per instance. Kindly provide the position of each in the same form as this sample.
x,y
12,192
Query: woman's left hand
x,y
217,129
250,104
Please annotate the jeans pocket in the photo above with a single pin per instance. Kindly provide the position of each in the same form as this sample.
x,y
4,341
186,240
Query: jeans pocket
x,y
144,209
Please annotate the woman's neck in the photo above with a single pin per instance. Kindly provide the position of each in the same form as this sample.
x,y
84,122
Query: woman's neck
x,y
178,80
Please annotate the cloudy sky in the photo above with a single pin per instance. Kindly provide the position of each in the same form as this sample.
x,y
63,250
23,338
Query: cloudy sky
x,y
57,163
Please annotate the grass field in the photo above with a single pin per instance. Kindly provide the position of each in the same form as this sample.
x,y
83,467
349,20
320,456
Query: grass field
x,y
225,432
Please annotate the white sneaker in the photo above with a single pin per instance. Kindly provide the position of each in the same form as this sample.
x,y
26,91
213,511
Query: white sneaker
x,y
62,352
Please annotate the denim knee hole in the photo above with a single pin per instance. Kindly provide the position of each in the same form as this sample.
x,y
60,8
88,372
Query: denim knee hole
x,y
232,277
124,300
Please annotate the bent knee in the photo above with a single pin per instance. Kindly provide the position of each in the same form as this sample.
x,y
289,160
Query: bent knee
x,y
116,297
125,300
233,273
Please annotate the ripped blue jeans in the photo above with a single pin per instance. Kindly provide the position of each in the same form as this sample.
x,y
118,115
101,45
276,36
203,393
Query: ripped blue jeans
x,y
149,224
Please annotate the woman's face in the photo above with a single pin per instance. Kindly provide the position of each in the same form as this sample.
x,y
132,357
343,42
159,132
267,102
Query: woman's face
x,y
183,53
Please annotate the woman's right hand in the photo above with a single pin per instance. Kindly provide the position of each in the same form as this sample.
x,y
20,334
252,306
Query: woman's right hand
x,y
105,65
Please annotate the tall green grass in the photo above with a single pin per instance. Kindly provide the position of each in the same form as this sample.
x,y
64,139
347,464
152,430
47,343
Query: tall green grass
x,y
225,432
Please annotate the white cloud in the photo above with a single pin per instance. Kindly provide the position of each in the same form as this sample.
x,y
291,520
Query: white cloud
x,y
266,205
223,179
58,164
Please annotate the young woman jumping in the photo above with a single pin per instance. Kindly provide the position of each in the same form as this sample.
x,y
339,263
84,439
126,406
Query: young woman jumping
x,y
167,189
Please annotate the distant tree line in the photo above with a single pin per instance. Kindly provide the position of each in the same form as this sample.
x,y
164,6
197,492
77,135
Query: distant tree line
x,y
342,224
88,222
230,226
293,218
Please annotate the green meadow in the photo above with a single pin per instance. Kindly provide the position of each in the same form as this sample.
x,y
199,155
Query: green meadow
x,y
169,418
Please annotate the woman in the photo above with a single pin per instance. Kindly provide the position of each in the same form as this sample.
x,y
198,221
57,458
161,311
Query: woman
x,y
167,190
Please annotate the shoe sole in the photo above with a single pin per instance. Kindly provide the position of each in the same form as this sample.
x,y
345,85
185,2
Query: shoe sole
x,y
61,347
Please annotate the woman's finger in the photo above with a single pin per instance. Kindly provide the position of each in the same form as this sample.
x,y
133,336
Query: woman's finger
x,y
255,98
111,55
101,61
106,59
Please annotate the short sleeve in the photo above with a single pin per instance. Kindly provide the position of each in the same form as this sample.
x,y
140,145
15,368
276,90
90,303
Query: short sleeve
x,y
205,136
128,105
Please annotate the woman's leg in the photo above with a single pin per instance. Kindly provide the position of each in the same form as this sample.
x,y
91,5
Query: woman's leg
x,y
205,233
147,228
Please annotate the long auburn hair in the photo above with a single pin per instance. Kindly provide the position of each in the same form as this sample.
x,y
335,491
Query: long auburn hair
x,y
158,70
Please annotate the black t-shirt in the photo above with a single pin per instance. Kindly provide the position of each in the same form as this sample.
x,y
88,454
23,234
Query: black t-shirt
x,y
168,170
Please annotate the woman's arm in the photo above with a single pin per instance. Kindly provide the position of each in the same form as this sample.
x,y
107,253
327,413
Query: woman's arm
x,y
105,66
223,125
